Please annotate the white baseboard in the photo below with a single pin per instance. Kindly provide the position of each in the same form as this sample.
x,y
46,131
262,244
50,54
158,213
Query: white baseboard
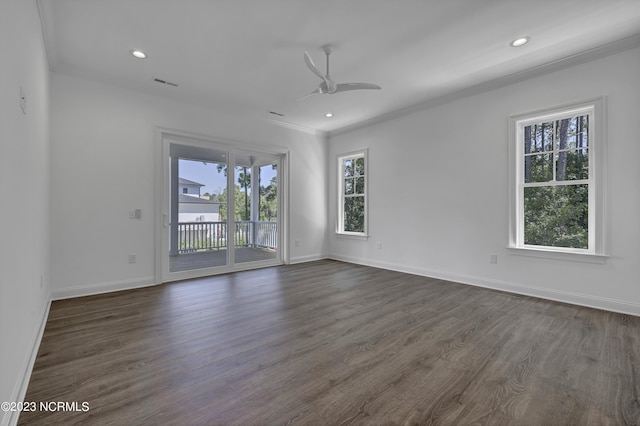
x,y
310,258
613,305
20,388
70,292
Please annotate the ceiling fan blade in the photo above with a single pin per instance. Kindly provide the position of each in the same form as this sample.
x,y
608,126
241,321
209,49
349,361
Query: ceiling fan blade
x,y
312,66
317,91
343,87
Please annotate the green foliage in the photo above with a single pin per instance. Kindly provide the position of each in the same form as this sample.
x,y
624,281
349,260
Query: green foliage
x,y
269,200
557,151
556,216
239,207
354,190
244,180
268,203
354,214
559,146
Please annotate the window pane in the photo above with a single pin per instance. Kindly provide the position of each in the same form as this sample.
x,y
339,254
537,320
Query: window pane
x,y
538,138
556,216
348,186
360,185
348,168
354,214
582,130
268,179
538,168
573,165
359,166
573,132
562,133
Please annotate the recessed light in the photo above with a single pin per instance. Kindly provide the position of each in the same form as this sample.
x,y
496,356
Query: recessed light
x,y
519,42
138,54
328,115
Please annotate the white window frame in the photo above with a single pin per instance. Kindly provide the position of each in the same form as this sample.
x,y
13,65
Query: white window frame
x,y
597,247
364,153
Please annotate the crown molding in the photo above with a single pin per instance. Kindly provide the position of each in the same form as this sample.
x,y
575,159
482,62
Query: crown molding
x,y
298,127
584,56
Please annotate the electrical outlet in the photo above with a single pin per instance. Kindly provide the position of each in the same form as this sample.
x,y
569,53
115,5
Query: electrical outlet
x,y
379,245
138,213
132,258
297,243
493,259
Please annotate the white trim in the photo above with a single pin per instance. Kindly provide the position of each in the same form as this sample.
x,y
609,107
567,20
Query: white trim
x,y
100,288
308,258
299,127
180,136
550,253
159,215
231,221
579,299
220,270
20,388
597,151
284,206
361,153
352,235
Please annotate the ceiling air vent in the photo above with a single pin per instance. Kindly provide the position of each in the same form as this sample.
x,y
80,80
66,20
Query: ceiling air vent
x,y
276,113
161,81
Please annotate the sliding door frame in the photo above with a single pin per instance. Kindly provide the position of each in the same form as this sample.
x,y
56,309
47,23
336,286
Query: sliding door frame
x,y
163,140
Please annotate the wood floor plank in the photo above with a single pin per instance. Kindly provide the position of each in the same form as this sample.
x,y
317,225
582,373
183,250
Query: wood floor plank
x,y
334,344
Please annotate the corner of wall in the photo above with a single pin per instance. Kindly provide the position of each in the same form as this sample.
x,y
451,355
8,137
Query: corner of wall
x,y
22,384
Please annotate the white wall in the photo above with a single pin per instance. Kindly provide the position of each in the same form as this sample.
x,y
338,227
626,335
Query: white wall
x,y
102,140
24,164
438,188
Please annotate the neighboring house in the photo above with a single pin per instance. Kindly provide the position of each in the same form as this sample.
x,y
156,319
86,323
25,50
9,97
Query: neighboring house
x,y
189,187
193,213
192,207
195,209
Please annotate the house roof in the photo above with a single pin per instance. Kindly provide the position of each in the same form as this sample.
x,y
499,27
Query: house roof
x,y
187,199
183,181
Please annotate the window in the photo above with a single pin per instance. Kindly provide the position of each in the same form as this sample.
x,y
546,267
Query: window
x,y
557,180
352,187
185,190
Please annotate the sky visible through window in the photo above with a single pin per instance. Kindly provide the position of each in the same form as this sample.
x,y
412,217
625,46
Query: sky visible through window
x,y
214,182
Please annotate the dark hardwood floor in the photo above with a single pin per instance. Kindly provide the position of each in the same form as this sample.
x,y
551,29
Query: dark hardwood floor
x,y
329,343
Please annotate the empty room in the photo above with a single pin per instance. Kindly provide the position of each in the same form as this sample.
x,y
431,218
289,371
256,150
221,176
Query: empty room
x,y
356,212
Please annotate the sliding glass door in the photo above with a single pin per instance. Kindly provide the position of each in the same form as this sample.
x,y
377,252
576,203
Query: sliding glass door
x,y
198,229
256,209
221,209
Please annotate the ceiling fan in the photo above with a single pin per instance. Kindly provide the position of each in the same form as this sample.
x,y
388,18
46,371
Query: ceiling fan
x,y
328,87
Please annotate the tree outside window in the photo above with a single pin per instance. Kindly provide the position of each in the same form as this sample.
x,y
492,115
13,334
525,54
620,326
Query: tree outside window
x,y
556,183
352,180
558,201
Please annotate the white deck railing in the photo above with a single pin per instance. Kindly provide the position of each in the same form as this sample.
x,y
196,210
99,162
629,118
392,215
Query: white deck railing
x,y
204,236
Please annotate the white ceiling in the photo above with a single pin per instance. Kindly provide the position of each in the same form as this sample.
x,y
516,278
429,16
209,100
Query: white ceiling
x,y
246,56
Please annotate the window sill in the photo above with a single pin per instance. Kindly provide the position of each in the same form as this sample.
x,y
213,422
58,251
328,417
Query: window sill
x,y
559,255
363,237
